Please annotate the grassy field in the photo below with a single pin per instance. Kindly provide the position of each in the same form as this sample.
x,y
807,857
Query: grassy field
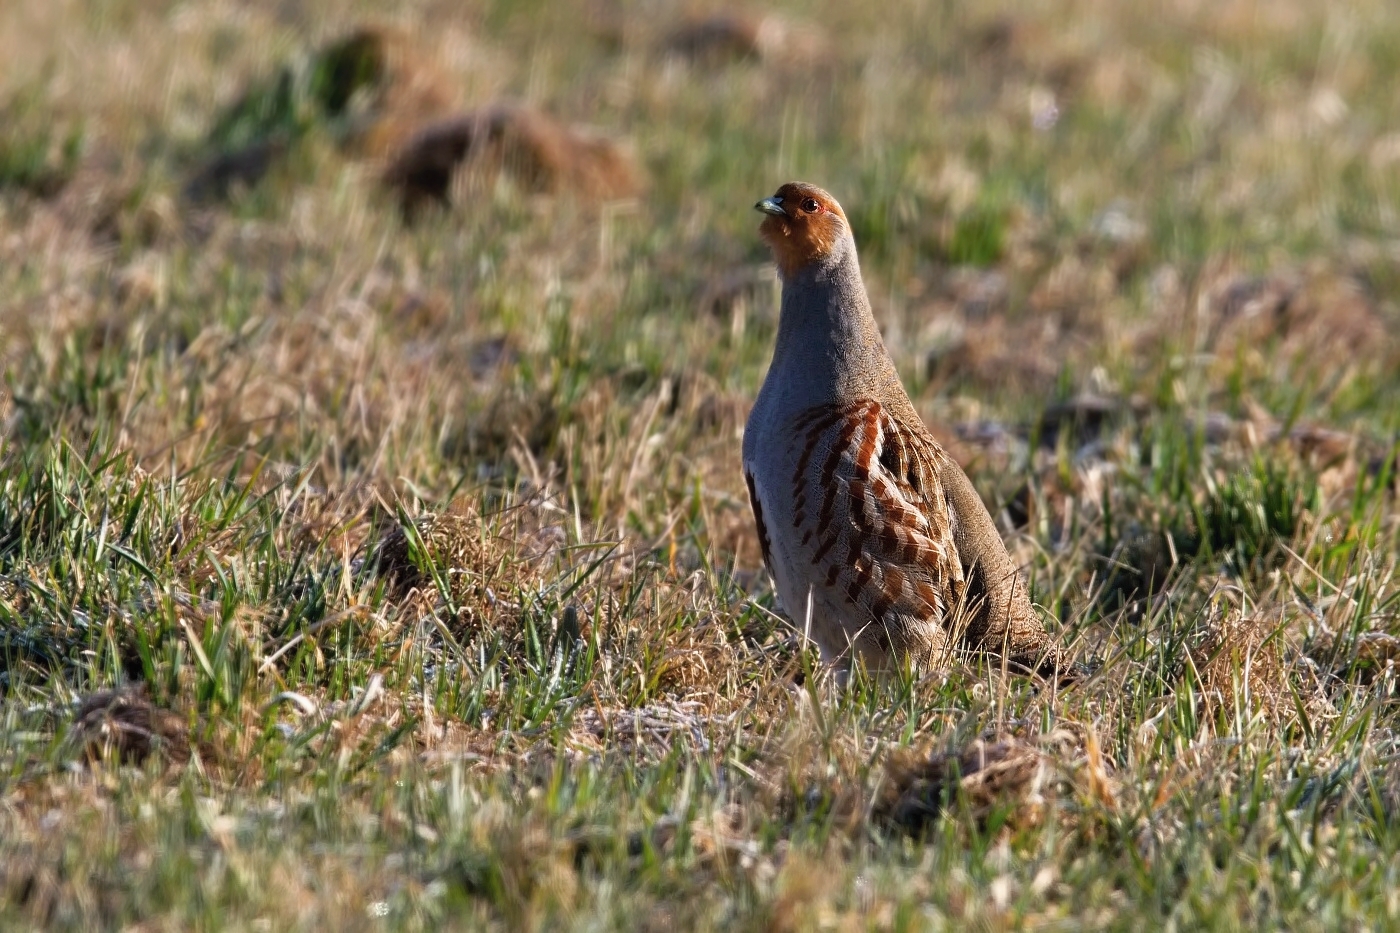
x,y
380,564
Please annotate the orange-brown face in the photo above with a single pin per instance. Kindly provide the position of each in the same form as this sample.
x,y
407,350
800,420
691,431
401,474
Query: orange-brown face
x,y
802,225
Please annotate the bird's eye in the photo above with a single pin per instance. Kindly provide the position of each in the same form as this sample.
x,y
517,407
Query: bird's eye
x,y
810,205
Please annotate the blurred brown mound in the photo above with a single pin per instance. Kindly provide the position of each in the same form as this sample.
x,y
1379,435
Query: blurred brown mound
x,y
731,36
1083,418
971,331
1237,309
513,415
998,353
400,83
983,777
108,197
370,89
126,723
542,153
1316,316
1018,48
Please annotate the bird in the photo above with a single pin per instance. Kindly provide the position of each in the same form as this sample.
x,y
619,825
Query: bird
x,y
878,545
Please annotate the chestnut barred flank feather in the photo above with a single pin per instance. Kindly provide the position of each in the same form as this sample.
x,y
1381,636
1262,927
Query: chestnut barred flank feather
x,y
879,544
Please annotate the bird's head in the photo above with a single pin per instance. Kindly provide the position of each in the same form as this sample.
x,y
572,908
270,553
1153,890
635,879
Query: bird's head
x,y
803,225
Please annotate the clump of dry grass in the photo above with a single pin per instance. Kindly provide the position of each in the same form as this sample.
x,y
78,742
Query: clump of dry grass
x,y
1240,657
859,784
476,566
126,725
1004,774
453,539
994,353
536,150
734,34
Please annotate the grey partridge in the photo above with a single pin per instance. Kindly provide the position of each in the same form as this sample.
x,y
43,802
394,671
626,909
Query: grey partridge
x,y
878,544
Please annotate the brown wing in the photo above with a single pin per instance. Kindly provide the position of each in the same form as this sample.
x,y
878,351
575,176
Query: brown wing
x,y
872,515
905,539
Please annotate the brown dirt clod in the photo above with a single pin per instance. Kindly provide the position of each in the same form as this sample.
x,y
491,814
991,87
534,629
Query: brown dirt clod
x,y
540,152
127,723
982,776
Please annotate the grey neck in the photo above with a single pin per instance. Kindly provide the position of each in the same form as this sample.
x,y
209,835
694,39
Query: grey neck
x,y
828,347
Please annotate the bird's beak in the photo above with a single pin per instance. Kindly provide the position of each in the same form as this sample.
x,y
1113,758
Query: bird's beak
x,y
773,205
